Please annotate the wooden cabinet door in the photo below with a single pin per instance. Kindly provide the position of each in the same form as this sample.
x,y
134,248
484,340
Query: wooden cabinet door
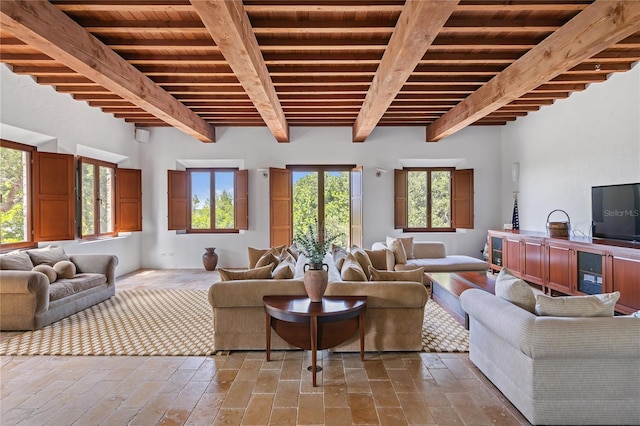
x,y
513,255
624,276
559,261
533,259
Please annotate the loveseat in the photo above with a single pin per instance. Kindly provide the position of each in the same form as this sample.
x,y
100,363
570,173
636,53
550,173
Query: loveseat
x,y
557,370
393,318
30,300
432,256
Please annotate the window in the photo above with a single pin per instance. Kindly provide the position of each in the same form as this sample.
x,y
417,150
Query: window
x,y
301,195
15,195
322,196
433,199
208,200
212,200
97,198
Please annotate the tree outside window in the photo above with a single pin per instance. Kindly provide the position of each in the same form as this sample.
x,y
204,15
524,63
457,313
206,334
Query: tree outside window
x,y
215,185
97,181
15,193
429,199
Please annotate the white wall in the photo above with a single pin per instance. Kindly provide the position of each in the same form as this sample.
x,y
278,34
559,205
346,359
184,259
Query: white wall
x,y
70,124
477,148
591,138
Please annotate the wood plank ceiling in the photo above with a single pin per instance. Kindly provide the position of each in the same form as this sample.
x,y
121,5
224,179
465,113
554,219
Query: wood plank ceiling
x,y
440,64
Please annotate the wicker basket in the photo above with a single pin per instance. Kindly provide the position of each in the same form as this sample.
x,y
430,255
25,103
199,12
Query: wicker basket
x,y
558,229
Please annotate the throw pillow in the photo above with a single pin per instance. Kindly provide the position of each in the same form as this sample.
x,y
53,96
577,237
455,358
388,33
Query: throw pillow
x,y
383,260
254,255
363,259
271,256
597,305
285,269
410,275
16,260
407,244
351,270
249,274
338,254
49,255
48,271
65,269
514,290
398,252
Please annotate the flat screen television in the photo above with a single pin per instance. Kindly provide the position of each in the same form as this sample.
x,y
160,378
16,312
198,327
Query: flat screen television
x,y
615,211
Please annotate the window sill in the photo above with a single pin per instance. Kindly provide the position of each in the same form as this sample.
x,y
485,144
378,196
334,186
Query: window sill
x,y
120,236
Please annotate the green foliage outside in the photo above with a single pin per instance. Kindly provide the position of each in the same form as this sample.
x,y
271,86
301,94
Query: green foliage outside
x,y
224,209
106,200
440,193
336,207
87,200
12,196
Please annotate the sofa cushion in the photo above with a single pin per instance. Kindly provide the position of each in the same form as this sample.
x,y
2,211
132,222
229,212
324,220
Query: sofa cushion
x,y
65,269
49,255
254,255
407,244
351,270
410,275
597,305
271,256
48,271
338,254
445,264
363,259
429,250
514,290
249,274
16,260
81,282
286,267
382,260
398,251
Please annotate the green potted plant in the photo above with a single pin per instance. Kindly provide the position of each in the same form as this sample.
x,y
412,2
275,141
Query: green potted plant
x,y
316,273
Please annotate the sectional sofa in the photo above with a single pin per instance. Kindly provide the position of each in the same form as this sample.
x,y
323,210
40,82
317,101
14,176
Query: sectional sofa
x,y
393,319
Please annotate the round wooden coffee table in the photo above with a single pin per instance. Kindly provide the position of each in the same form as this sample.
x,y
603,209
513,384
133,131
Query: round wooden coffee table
x,y
315,325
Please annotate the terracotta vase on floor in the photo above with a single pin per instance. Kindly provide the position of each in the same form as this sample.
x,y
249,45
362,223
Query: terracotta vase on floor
x,y
210,258
315,280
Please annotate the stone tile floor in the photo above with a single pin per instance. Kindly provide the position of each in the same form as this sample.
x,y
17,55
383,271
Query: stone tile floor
x,y
241,388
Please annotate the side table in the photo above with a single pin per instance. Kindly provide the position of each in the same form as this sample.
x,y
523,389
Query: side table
x,y
314,326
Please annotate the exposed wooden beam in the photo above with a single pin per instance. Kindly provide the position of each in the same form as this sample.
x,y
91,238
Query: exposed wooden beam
x,y
229,26
43,26
417,27
600,25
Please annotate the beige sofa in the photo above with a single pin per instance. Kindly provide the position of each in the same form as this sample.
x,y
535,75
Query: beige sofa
x,y
393,319
432,256
29,302
557,370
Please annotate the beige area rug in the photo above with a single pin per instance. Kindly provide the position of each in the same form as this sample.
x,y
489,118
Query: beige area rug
x,y
171,322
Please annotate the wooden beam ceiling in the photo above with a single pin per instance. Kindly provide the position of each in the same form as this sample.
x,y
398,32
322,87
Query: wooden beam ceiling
x,y
230,28
46,28
317,62
419,23
598,26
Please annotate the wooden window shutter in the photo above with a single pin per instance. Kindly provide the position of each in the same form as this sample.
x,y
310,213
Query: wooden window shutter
x,y
400,204
242,199
178,195
462,206
128,200
356,237
53,196
280,207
